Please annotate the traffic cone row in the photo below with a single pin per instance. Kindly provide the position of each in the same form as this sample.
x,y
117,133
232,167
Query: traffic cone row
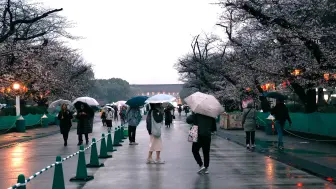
x,y
81,172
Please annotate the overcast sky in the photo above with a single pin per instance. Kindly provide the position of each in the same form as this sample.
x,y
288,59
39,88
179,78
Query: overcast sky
x,y
137,40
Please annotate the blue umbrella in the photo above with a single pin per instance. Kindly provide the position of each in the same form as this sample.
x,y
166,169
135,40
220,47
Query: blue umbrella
x,y
137,101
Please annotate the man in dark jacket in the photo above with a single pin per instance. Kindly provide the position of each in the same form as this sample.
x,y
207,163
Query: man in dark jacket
x,y
281,114
205,125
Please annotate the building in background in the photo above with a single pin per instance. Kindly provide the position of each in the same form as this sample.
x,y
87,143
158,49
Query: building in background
x,y
150,90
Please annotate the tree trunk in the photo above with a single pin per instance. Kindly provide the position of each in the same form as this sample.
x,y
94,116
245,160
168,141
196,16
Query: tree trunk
x,y
307,98
320,97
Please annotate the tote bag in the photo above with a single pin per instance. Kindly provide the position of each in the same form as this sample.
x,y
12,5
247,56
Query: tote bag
x,y
193,134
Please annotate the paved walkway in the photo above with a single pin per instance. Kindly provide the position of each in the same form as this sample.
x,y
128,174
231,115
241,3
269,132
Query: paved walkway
x,y
13,138
316,157
231,166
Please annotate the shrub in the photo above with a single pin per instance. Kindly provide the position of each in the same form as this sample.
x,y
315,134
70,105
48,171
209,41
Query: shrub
x,y
24,110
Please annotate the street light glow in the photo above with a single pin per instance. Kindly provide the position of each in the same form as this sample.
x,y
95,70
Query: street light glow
x,y
16,86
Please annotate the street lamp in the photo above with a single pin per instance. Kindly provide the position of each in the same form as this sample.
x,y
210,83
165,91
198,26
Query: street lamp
x,y
16,87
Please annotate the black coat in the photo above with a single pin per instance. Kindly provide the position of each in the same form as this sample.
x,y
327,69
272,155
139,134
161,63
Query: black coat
x,y
205,124
85,125
281,113
168,117
65,121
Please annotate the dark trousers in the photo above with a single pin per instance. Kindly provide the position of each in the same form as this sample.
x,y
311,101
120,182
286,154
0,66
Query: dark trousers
x,y
204,143
131,133
250,137
65,136
80,137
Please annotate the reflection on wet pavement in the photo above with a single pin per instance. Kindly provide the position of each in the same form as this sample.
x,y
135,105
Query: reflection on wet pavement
x,y
231,166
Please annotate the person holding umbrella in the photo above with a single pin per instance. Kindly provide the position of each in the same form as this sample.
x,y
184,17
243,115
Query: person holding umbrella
x,y
154,123
281,114
65,117
133,118
205,109
84,115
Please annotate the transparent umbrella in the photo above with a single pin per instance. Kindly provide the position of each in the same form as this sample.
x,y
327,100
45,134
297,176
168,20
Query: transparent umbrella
x,y
88,100
55,106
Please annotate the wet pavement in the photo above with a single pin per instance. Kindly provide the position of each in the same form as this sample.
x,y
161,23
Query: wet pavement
x,y
231,166
316,157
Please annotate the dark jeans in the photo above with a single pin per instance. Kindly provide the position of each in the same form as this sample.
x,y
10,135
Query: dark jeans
x,y
80,137
250,137
65,136
204,143
131,133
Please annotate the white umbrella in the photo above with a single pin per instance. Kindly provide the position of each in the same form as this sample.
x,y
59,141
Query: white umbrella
x,y
121,103
204,104
90,101
160,98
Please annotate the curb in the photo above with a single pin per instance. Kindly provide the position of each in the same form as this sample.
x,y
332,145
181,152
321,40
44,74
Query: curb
x,y
323,172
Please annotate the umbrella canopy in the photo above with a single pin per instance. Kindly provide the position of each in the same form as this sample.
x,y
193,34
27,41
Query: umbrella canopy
x,y
169,104
137,101
204,104
120,103
87,108
88,100
160,98
275,95
55,106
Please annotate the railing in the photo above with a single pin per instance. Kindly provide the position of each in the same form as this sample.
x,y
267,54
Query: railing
x,y
81,174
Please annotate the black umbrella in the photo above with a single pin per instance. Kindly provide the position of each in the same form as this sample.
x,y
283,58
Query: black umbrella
x,y
275,95
88,109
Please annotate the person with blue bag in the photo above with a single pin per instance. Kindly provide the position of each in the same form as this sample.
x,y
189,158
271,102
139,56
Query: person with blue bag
x,y
133,118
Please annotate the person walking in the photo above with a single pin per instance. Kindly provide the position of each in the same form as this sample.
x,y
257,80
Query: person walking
x,y
84,126
249,125
109,118
205,125
115,113
65,117
123,115
154,123
186,110
168,117
179,109
281,114
133,118
103,117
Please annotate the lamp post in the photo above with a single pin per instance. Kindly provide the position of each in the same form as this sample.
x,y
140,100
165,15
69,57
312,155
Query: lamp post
x,y
17,87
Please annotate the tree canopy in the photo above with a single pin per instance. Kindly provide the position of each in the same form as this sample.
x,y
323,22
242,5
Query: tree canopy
x,y
269,44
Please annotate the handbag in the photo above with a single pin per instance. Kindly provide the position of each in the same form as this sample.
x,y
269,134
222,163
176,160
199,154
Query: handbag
x,y
193,134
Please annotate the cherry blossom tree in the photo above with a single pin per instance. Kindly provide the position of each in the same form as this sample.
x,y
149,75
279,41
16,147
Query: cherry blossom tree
x,y
33,54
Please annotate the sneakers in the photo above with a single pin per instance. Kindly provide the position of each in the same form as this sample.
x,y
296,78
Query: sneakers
x,y
203,170
253,146
160,161
247,146
150,161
